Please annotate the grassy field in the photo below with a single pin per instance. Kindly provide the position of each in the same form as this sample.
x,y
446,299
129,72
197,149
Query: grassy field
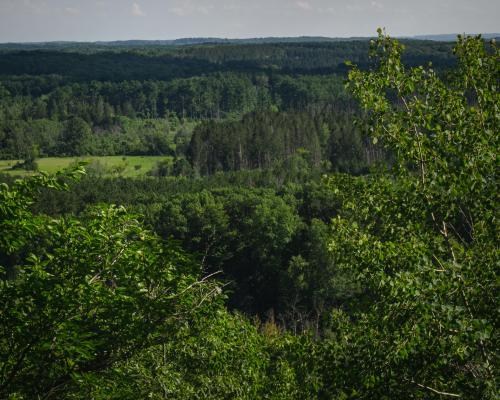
x,y
127,166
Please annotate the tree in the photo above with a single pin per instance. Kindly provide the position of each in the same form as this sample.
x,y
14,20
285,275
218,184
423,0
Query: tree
x,y
424,242
75,137
77,296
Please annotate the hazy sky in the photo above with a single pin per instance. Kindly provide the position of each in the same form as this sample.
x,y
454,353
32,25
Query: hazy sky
x,y
91,20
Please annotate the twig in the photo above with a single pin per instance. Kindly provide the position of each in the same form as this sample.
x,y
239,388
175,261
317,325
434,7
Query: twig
x,y
197,283
435,390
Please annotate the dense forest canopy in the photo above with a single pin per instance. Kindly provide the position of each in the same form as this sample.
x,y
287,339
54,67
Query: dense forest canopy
x,y
63,103
301,238
193,60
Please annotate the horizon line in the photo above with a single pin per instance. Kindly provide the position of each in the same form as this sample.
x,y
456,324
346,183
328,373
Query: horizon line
x,y
418,36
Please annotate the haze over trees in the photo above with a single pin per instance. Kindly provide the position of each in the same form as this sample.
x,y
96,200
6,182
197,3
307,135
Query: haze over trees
x,y
301,240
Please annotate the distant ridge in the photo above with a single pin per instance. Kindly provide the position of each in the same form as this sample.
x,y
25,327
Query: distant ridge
x,y
451,37
184,41
214,40
194,41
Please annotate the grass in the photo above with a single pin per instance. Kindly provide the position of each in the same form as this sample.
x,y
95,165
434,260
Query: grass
x,y
126,166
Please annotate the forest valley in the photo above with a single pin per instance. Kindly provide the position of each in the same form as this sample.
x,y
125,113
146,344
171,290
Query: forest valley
x,y
317,230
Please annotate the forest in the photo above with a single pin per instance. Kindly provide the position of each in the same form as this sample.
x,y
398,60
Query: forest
x,y
322,224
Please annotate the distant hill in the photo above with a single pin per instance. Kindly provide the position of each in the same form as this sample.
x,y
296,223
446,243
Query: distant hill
x,y
195,41
451,37
173,43
61,45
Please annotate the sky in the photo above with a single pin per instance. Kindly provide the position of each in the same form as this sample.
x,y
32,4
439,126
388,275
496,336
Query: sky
x,y
94,20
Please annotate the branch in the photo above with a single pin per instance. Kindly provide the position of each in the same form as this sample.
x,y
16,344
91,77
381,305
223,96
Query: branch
x,y
435,390
417,136
217,289
197,283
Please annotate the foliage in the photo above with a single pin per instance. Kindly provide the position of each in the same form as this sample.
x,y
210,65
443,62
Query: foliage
x,y
242,232
290,143
79,295
220,357
425,245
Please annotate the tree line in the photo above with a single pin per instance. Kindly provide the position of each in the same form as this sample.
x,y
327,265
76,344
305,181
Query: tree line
x,y
326,139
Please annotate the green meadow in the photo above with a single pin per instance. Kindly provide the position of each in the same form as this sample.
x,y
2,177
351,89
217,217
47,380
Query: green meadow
x,y
126,166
